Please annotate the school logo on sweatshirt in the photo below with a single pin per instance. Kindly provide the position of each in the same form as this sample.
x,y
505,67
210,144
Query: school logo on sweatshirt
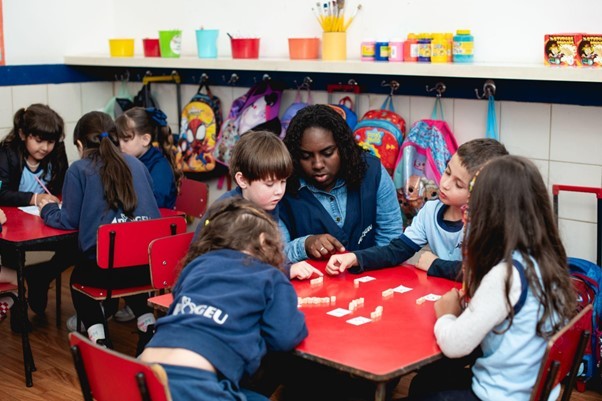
x,y
186,306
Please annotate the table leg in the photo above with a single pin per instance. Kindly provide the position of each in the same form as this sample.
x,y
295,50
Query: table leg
x,y
27,354
381,391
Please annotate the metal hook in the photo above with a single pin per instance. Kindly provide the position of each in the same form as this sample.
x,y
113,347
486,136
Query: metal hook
x,y
393,84
233,79
123,77
439,88
352,82
488,90
204,78
266,77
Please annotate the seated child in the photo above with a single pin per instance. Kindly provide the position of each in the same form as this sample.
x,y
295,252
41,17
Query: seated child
x,y
6,276
232,304
260,165
438,223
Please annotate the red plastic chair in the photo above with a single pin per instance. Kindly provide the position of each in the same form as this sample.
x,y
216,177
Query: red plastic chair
x,y
123,245
563,357
193,198
107,375
164,255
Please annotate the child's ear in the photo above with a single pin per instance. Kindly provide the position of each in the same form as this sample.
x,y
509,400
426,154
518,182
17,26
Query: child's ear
x,y
22,135
242,182
262,239
146,139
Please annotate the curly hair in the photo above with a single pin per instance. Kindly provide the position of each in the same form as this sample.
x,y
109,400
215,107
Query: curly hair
x,y
353,165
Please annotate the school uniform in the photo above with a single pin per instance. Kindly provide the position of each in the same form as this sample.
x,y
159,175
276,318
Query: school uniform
x,y
164,183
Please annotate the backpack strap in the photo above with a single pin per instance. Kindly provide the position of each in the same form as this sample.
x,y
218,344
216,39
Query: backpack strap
x,y
388,104
437,109
524,286
491,120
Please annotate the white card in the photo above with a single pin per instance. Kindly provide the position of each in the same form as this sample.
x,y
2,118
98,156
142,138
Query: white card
x,y
359,320
365,279
338,312
432,297
401,289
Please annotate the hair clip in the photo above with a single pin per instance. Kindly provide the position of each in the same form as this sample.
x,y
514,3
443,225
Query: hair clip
x,y
104,134
207,222
157,116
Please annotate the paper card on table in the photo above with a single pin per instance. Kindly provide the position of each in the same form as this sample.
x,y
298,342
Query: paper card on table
x,y
432,297
401,289
359,320
30,209
338,312
365,279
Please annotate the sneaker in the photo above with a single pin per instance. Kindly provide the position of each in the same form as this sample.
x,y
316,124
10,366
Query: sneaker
x,y
144,338
3,310
124,314
72,324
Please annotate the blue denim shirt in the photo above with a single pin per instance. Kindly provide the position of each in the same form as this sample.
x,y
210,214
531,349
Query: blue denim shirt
x,y
388,214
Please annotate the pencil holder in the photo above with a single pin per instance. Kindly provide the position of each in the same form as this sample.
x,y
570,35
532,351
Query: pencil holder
x,y
170,43
206,41
334,46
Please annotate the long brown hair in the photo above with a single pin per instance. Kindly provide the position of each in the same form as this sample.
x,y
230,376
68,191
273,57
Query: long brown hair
x,y
98,136
236,223
510,210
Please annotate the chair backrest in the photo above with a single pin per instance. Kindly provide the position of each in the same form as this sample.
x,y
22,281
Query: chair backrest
x,y
107,375
126,244
164,254
563,356
193,198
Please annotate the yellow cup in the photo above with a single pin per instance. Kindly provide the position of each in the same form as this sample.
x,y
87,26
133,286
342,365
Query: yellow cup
x,y
334,46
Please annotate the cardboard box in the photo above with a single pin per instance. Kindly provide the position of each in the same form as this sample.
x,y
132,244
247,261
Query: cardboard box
x,y
561,49
589,50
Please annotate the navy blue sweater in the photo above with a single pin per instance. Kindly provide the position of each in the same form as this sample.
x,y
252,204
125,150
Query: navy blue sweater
x,y
164,183
231,308
84,206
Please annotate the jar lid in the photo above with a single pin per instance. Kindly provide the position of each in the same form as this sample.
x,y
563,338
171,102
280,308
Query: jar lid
x,y
463,32
411,36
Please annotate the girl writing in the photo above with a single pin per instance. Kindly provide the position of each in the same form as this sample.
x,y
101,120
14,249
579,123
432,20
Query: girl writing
x,y
232,303
104,186
145,134
517,287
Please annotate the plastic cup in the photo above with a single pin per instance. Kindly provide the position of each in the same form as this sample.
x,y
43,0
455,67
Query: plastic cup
x,y
303,48
334,46
121,47
151,47
170,43
245,48
206,42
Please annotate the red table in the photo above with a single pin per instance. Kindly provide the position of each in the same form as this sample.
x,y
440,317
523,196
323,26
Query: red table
x,y
400,342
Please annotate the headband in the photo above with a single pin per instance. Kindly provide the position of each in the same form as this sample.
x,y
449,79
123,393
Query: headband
x,y
157,116
104,134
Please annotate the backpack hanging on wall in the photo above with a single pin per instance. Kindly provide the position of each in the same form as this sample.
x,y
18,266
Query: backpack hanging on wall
x,y
381,132
117,105
294,108
200,125
346,107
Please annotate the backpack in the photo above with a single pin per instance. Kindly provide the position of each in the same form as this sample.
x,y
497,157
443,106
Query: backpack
x,y
424,154
294,108
257,109
117,105
200,125
586,277
345,109
381,132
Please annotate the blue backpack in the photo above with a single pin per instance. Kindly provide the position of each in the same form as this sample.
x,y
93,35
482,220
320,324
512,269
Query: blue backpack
x,y
587,277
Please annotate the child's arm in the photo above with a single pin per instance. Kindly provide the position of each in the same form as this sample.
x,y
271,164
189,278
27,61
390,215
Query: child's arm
x,y
283,325
66,217
2,217
397,252
388,214
449,269
303,271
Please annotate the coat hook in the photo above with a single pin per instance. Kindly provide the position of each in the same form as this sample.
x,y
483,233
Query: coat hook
x,y
439,88
393,84
307,81
488,90
352,82
204,78
233,79
266,77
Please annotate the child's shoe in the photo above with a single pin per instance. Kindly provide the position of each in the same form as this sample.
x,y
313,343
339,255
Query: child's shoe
x,y
124,315
4,308
144,338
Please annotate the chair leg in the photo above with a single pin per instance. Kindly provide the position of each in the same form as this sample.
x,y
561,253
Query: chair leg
x,y
59,288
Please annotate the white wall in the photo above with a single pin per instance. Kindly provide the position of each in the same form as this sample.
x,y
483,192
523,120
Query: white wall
x,y
510,31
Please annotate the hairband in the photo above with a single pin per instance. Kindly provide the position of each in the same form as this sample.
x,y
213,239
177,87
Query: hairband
x,y
157,116
104,134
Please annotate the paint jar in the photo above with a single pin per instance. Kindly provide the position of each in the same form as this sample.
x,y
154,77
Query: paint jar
x,y
410,48
449,37
334,46
439,46
463,46
396,50
367,50
424,48
381,50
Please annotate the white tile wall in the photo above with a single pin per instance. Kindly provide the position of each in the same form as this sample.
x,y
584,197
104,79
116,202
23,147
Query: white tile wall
x,y
564,141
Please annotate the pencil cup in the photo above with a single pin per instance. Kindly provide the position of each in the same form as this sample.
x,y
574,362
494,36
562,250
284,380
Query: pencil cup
x,y
334,46
206,40
170,43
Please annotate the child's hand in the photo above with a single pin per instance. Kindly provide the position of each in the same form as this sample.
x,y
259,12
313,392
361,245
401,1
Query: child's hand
x,y
303,271
45,201
2,217
339,263
320,246
426,260
449,304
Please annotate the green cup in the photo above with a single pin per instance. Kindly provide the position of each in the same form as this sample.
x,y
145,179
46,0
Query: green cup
x,y
170,43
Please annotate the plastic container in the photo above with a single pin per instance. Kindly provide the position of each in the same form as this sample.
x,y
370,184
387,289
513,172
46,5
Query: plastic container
x,y
396,50
410,48
334,46
367,50
424,48
170,43
439,47
245,47
449,37
151,47
463,51
381,50
121,47
206,43
303,48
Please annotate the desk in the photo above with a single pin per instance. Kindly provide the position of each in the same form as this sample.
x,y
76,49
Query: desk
x,y
400,342
25,232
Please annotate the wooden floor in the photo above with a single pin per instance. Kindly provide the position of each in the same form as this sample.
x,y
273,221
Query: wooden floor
x,y
55,378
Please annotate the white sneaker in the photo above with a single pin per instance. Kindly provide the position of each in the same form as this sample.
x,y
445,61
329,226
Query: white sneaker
x,y
72,324
124,314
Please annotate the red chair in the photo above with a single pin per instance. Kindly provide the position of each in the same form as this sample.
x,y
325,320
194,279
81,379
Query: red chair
x,y
193,198
107,375
123,245
563,357
164,256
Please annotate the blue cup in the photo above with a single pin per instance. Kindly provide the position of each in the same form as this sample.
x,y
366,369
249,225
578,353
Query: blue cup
x,y
206,41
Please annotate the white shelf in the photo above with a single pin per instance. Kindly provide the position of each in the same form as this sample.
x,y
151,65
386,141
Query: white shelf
x,y
485,71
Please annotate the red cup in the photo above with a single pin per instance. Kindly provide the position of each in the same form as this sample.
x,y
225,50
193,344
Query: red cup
x,y
151,47
245,48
